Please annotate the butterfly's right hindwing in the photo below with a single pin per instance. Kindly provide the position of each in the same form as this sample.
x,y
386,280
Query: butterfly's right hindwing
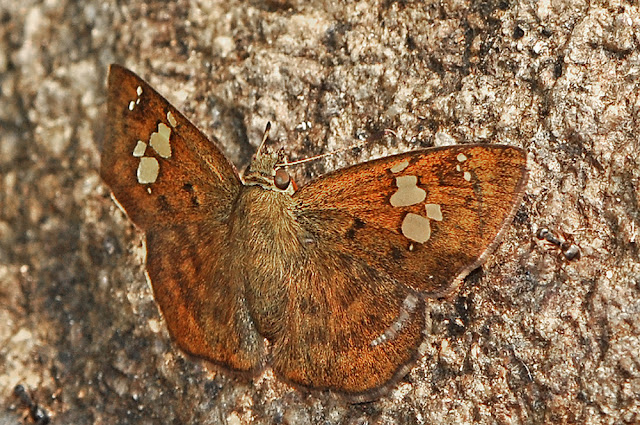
x,y
179,188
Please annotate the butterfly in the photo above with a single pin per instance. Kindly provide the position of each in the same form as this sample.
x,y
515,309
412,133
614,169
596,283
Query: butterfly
x,y
325,284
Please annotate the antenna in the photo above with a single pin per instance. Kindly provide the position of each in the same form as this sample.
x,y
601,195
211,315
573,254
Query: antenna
x,y
265,137
373,137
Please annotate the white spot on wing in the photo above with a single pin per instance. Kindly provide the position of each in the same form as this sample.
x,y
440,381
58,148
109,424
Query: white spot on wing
x,y
458,168
408,306
140,148
133,103
433,212
408,192
416,228
461,157
172,119
467,176
148,170
159,140
400,166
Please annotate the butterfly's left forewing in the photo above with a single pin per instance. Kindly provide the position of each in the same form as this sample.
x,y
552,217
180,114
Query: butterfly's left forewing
x,y
426,217
159,166
179,188
379,236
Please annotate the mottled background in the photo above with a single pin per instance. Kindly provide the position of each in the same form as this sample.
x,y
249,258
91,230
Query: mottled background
x,y
531,338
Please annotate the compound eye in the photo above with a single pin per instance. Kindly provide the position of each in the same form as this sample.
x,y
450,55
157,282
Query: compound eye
x,y
282,179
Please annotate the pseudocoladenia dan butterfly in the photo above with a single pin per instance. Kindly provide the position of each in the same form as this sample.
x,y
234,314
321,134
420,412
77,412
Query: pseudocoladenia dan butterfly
x,y
325,284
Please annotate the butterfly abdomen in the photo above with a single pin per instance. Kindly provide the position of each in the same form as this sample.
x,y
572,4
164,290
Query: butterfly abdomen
x,y
267,233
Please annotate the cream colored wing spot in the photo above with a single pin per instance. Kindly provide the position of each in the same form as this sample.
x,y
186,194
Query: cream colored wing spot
x,y
400,166
148,170
462,158
149,167
171,119
408,192
433,212
140,149
159,140
133,103
416,228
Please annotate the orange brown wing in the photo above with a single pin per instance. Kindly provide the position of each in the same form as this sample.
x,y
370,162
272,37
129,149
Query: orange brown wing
x,y
355,307
348,327
179,188
426,217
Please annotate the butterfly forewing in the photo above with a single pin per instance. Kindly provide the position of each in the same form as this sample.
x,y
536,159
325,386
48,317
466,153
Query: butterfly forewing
x,y
177,186
378,237
425,217
159,166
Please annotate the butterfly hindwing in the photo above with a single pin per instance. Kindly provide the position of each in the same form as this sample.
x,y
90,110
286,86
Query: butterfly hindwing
x,y
356,313
349,328
179,188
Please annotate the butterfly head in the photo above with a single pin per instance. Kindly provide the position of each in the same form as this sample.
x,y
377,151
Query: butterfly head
x,y
267,169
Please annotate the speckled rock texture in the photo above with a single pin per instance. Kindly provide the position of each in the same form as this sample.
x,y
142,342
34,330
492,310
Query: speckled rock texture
x,y
532,338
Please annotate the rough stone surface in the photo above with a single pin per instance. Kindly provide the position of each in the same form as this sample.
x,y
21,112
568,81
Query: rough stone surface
x,y
531,338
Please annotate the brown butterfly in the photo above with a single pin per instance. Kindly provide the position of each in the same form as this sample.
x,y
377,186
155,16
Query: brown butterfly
x,y
325,284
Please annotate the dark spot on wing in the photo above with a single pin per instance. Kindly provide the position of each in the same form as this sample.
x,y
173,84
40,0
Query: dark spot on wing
x,y
356,225
164,204
194,197
396,253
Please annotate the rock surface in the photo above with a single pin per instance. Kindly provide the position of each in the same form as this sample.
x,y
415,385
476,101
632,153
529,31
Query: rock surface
x,y
531,338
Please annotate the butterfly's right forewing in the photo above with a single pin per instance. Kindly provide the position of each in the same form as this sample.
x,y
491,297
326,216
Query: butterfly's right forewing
x,y
179,188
